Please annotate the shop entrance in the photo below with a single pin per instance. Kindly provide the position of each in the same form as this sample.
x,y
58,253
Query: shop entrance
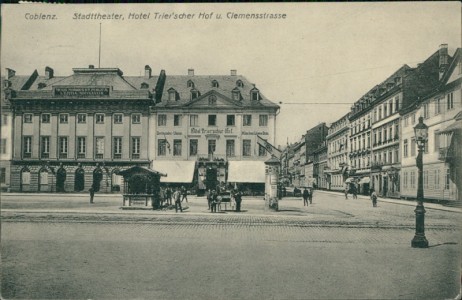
x,y
211,178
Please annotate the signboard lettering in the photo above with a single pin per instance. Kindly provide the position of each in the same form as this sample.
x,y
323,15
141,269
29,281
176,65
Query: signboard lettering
x,y
81,92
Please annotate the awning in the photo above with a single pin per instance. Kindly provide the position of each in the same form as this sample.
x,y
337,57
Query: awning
x,y
456,126
246,171
365,180
177,171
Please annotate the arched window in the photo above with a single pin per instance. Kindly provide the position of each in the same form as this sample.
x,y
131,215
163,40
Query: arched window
x,y
117,180
254,94
25,179
215,84
239,83
190,84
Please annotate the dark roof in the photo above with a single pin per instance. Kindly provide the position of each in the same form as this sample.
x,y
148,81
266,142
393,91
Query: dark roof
x,y
139,169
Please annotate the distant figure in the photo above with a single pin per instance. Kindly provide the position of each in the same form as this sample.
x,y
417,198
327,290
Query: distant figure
x,y
306,195
374,198
184,194
177,197
238,198
214,201
354,191
310,196
92,194
346,191
208,193
168,194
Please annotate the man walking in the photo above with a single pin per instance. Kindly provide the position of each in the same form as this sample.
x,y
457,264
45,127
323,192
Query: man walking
x,y
177,197
306,195
238,198
346,190
184,193
92,194
213,201
310,196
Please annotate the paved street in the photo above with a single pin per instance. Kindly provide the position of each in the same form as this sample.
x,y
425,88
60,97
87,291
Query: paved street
x,y
62,247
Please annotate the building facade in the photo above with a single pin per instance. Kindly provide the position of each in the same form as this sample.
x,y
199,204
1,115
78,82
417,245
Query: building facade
x,y
78,131
337,153
439,109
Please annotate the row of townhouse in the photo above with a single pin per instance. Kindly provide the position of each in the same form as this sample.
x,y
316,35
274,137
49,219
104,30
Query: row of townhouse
x,y
64,133
373,144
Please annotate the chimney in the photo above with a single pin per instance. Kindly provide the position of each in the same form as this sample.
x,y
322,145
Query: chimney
x,y
48,72
233,72
443,61
10,73
191,72
91,66
147,71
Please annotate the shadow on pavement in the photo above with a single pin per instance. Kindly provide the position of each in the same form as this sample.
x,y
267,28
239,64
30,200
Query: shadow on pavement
x,y
441,244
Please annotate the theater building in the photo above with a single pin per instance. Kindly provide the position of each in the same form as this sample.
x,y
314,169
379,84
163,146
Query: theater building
x,y
205,131
76,131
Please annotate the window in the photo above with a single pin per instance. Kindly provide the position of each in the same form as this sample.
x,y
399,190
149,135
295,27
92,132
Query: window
x,y
176,120
81,118
27,118
263,120
212,120
255,95
99,147
99,118
450,101
396,156
247,120
405,148
117,154
171,95
412,179
81,147
390,157
212,146
405,180
136,118
239,83
384,135
406,121
447,179
176,147
63,146
413,147
385,111
261,150
384,157
230,148
118,118
27,147
437,106
46,118
230,120
45,147
190,84
413,118
390,104
425,179
4,119
194,94
162,147
162,120
426,113
63,118
396,137
2,175
136,146
246,147
437,141
193,120
236,95
396,103
3,146
193,147
380,112
214,83
437,178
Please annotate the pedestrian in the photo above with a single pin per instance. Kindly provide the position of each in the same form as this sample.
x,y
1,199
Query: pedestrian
x,y
233,200
346,190
374,198
177,197
306,195
184,194
310,196
238,198
161,197
214,201
354,191
92,194
169,195
208,193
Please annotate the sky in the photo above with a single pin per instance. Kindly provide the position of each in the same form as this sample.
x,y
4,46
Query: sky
x,y
316,62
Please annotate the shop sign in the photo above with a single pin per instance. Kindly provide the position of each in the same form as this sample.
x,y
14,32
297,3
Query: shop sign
x,y
138,200
81,92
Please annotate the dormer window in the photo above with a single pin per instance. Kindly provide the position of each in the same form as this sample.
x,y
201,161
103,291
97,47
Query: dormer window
x,y
239,83
144,85
41,85
172,94
194,94
212,100
254,94
214,83
236,94
190,84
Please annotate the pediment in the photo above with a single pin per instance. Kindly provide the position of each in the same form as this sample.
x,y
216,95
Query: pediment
x,y
213,99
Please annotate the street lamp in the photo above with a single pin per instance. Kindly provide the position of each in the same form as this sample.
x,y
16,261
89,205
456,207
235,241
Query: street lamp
x,y
421,135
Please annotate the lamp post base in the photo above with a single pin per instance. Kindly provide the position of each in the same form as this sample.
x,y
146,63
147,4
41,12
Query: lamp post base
x,y
419,241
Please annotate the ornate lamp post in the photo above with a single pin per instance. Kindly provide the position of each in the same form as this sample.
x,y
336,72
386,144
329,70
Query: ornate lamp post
x,y
419,240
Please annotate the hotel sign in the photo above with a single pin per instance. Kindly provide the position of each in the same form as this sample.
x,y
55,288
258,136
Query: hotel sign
x,y
82,91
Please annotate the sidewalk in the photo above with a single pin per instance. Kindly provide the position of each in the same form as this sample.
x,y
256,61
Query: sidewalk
x,y
398,201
